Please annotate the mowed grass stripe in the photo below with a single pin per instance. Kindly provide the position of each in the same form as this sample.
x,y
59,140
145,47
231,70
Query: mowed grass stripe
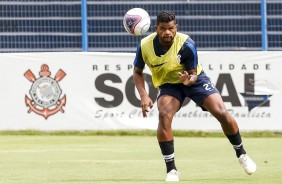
x,y
132,159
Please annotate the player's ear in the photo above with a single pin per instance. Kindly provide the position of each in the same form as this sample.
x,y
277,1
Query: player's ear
x,y
176,26
156,27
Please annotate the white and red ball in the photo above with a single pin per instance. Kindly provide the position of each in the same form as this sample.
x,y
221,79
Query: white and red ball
x,y
136,21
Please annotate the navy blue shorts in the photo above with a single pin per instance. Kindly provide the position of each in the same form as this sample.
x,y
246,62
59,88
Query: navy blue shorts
x,y
197,92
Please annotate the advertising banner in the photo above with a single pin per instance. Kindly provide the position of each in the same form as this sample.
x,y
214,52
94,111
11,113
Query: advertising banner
x,y
95,91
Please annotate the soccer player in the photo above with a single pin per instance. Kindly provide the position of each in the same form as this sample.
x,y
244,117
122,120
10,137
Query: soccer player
x,y
176,73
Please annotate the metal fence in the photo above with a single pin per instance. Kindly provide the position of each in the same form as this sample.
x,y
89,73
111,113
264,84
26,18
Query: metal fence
x,y
93,25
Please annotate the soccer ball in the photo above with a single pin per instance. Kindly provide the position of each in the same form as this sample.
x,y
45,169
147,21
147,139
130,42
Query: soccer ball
x,y
136,21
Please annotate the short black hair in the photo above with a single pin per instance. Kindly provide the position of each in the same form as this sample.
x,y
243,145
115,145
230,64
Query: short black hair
x,y
165,16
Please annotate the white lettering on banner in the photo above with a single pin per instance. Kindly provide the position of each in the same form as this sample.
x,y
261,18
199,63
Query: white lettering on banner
x,y
102,95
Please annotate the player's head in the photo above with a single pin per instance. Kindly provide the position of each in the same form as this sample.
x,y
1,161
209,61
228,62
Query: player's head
x,y
165,16
166,27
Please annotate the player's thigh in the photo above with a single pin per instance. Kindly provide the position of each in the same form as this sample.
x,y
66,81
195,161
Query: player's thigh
x,y
168,105
214,104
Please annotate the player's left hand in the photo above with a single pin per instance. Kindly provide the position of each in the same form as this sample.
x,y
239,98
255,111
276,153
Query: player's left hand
x,y
186,78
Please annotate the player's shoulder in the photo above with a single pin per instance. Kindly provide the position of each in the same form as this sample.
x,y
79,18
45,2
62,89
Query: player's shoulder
x,y
189,44
182,34
149,37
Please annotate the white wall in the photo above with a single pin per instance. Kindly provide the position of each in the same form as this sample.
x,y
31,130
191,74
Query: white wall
x,y
100,93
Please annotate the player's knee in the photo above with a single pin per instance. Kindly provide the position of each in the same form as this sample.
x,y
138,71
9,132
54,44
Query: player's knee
x,y
221,113
165,120
165,115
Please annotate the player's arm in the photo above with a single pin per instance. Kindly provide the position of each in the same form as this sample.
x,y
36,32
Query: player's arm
x,y
146,101
138,79
190,61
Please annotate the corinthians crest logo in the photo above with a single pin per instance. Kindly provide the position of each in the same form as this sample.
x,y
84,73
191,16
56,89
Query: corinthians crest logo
x,y
45,92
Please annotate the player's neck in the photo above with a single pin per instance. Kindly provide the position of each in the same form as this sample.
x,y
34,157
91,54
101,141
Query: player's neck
x,y
165,45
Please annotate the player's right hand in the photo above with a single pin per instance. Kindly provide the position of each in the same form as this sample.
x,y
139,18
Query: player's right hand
x,y
146,105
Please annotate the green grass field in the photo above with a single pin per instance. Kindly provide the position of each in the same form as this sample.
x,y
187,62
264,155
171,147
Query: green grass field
x,y
40,159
